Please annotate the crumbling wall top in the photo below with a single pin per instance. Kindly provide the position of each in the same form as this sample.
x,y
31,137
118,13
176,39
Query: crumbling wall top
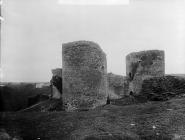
x,y
57,72
151,61
84,75
81,43
147,52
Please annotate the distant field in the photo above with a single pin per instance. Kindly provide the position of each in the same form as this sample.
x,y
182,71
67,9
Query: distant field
x,y
14,96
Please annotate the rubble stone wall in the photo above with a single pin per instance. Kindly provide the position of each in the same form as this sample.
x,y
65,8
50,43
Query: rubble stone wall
x,y
163,88
117,86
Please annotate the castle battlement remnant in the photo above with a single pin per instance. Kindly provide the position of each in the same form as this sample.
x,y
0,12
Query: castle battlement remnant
x,y
143,65
56,83
57,72
84,71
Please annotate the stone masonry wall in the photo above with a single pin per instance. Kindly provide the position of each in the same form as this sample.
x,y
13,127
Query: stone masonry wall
x,y
163,88
84,75
117,86
142,65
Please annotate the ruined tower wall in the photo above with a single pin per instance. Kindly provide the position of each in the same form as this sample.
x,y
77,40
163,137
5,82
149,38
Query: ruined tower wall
x,y
84,75
117,86
143,65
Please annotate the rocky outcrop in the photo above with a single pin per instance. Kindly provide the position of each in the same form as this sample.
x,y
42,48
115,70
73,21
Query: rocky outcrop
x,y
117,86
84,75
142,65
163,88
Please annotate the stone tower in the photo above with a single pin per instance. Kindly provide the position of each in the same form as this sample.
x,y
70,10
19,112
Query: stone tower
x,y
84,75
143,65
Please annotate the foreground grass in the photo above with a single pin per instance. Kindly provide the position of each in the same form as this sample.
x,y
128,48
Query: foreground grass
x,y
146,121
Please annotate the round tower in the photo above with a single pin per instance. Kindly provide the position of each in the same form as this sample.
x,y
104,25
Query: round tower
x,y
84,75
142,65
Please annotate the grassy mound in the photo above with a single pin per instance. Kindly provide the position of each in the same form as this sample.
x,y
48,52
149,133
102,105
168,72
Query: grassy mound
x,y
144,121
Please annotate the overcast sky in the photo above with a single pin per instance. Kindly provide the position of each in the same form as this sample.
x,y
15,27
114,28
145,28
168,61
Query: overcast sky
x,y
33,32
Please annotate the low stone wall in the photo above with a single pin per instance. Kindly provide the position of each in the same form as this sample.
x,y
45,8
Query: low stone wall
x,y
142,65
163,88
84,75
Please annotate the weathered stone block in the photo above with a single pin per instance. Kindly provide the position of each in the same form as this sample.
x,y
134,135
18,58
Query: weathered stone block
x,y
142,65
84,75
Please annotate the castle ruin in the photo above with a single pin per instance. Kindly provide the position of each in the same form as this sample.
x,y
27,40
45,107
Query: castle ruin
x,y
85,82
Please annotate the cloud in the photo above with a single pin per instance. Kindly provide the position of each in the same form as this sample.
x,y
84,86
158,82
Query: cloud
x,y
93,2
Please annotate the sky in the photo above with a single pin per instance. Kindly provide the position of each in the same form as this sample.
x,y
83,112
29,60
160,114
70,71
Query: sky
x,y
33,31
